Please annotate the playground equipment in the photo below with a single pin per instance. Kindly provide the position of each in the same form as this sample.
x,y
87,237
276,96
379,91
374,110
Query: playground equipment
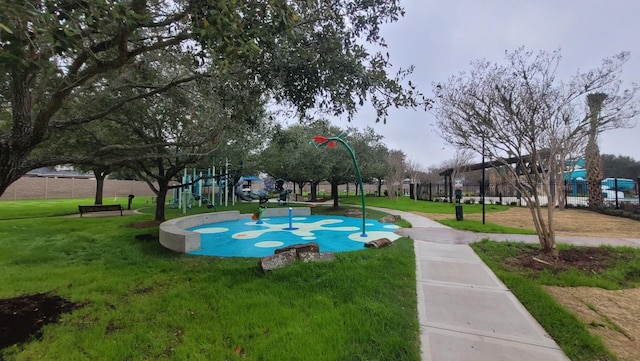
x,y
612,188
192,189
331,143
245,188
283,194
201,187
208,188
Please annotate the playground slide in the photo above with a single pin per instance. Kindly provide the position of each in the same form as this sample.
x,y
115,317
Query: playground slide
x,y
241,194
239,191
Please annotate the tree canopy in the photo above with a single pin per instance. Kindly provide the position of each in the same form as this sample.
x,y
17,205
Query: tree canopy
x,y
620,166
65,63
291,156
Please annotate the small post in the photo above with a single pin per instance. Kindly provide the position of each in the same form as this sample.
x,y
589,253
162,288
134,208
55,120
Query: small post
x,y
290,228
615,189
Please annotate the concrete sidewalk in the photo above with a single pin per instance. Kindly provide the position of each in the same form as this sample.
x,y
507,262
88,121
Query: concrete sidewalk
x,y
466,313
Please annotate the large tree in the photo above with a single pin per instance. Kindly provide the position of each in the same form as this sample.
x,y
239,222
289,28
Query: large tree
x,y
341,165
378,168
520,114
185,125
371,155
306,54
414,169
289,155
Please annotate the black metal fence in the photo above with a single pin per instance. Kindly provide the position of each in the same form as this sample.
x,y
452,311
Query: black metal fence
x,y
615,192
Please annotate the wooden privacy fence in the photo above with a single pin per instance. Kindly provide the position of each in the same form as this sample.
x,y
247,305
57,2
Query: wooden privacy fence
x,y
49,188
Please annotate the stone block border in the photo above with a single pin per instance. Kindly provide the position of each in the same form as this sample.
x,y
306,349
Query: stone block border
x,y
174,236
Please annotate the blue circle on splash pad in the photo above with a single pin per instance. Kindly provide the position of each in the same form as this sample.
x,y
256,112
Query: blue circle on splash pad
x,y
245,238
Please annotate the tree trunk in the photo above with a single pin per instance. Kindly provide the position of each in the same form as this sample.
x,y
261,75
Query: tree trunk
x,y
100,174
99,190
15,149
161,200
379,187
548,244
544,229
334,194
593,162
313,194
10,171
561,193
594,175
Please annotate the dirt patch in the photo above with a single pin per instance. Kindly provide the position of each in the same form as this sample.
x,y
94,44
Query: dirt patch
x,y
594,260
568,222
612,315
23,317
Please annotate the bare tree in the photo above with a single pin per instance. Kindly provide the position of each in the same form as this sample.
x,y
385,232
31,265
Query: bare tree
x,y
397,170
414,169
432,174
521,117
460,161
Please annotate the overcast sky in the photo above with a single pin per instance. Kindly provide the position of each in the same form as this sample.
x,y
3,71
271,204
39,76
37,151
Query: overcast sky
x,y
441,38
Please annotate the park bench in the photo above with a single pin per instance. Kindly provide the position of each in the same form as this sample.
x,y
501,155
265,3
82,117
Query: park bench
x,y
100,208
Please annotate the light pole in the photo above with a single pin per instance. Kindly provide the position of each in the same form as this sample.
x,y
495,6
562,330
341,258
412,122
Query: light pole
x,y
483,180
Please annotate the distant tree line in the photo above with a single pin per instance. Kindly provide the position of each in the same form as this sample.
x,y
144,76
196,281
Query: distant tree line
x,y
620,166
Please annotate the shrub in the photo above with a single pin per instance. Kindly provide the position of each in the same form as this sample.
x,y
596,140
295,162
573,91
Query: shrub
x,y
513,203
626,210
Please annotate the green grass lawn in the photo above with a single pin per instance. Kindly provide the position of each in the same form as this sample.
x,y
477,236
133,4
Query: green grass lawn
x,y
409,205
142,301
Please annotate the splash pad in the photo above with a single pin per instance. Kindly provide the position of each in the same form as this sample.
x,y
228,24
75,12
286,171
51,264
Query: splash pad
x,y
240,236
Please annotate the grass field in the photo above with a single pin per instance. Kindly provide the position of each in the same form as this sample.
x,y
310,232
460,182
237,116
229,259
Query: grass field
x,y
142,301
409,205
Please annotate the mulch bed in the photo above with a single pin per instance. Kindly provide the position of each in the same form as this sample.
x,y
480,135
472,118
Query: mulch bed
x,y
23,317
590,259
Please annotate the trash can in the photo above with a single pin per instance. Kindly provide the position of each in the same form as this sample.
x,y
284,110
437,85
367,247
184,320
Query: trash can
x,y
459,216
